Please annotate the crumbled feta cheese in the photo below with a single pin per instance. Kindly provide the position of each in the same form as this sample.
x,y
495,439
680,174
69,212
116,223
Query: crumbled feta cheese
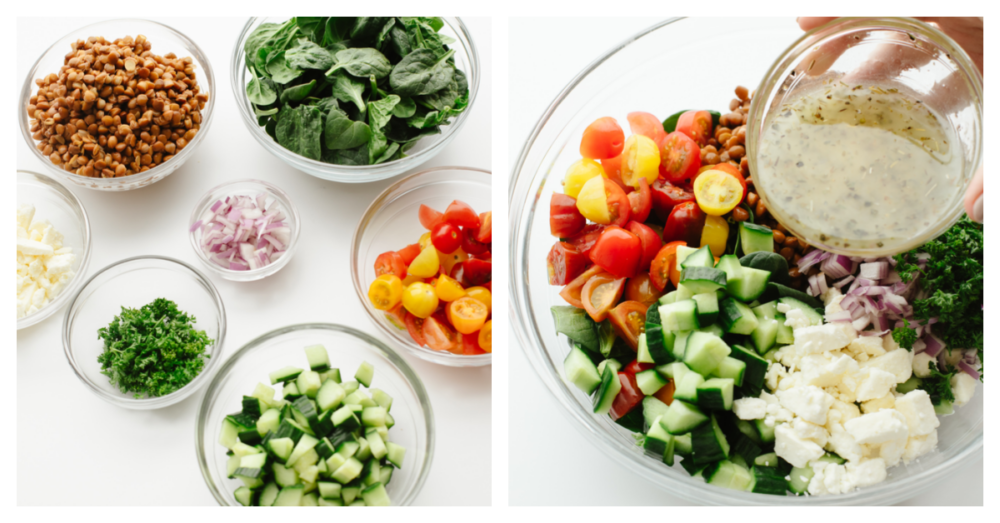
x,y
805,430
874,405
871,345
918,410
867,472
832,297
44,265
963,387
892,451
829,372
921,365
889,344
843,443
878,427
750,408
796,319
917,446
875,383
794,449
897,362
775,372
819,338
808,402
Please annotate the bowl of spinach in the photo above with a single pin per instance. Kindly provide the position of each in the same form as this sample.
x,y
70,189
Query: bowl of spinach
x,y
355,99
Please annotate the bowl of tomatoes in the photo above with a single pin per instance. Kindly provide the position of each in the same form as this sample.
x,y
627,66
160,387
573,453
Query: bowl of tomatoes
x,y
422,265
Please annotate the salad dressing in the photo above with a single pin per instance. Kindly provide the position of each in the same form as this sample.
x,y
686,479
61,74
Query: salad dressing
x,y
860,166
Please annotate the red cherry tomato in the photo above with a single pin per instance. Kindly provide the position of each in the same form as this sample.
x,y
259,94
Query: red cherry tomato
x,y
685,224
613,170
602,139
572,293
664,262
429,217
619,206
470,344
485,234
470,244
697,125
409,253
446,237
666,196
680,157
650,241
565,263
476,272
390,263
600,294
438,335
647,125
460,214
641,289
641,202
635,367
586,238
727,168
629,321
415,326
628,397
618,251
565,219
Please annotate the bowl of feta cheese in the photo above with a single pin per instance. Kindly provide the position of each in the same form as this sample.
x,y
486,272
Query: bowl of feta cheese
x,y
53,246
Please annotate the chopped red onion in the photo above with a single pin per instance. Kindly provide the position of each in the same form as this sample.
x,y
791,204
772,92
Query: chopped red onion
x,y
840,283
241,234
918,346
812,258
934,345
860,323
836,266
875,270
873,333
968,369
839,317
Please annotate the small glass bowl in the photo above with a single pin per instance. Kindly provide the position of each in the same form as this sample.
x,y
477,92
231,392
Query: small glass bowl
x,y
347,348
924,62
135,282
56,204
466,59
391,223
165,40
245,188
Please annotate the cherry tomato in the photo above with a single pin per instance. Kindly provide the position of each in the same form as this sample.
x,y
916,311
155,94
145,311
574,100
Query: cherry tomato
x,y
397,316
641,159
448,289
449,261
579,173
629,321
565,219
647,125
467,315
613,170
666,393
482,294
685,224
717,192
650,241
426,264
602,139
664,262
715,234
415,326
420,299
476,272
390,263
697,125
600,294
429,217
460,214
486,337
409,252
618,251
727,168
470,244
628,397
680,157
641,202
470,344
565,263
485,234
636,367
439,336
603,201
572,293
586,238
640,288
446,237
666,196
385,292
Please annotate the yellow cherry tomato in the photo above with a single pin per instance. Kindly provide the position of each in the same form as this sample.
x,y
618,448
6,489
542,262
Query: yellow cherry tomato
x,y
592,201
482,294
448,289
715,234
717,192
640,159
467,315
450,260
420,300
410,279
426,264
579,173
425,240
486,337
385,292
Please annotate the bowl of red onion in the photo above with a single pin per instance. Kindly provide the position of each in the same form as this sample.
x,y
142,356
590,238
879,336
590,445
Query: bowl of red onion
x,y
244,230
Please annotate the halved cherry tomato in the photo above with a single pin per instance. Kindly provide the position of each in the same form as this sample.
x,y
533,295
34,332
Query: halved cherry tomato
x,y
449,261
467,315
613,170
602,139
680,157
409,252
448,289
666,393
618,251
439,336
715,234
397,316
641,159
629,321
727,168
636,367
565,219
572,293
579,173
586,238
697,125
666,196
476,272
485,234
641,202
426,264
650,241
486,337
483,294
385,292
603,201
628,397
446,237
461,214
390,263
470,344
663,264
640,288
415,326
717,192
685,224
647,125
470,244
420,299
600,294
565,263
429,217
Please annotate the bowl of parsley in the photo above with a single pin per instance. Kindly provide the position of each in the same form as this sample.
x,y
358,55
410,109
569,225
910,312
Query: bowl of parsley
x,y
145,332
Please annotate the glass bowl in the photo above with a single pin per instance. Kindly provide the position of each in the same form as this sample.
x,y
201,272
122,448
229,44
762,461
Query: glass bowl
x,y
891,53
165,40
245,188
347,348
134,282
466,59
391,223
632,77
55,203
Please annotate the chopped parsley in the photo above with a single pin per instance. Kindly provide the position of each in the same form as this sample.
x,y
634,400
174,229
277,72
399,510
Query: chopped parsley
x,y
904,336
938,384
154,350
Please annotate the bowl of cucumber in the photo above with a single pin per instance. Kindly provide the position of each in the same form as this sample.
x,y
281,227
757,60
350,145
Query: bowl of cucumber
x,y
315,414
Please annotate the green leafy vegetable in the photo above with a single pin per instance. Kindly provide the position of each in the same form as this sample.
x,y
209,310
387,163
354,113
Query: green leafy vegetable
x,y
422,72
307,55
904,336
362,62
260,92
938,384
299,130
153,350
279,69
349,90
343,133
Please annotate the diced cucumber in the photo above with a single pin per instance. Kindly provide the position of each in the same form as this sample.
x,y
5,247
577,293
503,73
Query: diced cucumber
x,y
756,238
384,400
331,374
268,421
687,387
657,439
229,435
731,368
642,350
325,449
344,418
755,370
650,381
349,494
610,362
708,442
700,280
365,374
911,384
767,480
348,471
766,432
269,494
285,375
658,342
284,476
290,391
232,464
708,307
945,408
727,474
736,317
375,496
308,383
329,489
748,429
744,448
330,395
652,408
814,317
716,394
766,311
610,385
304,445
785,335
675,370
766,460
682,417
701,257
680,316
682,444
680,344
290,496
683,252
245,496
376,444
318,358
751,285
799,479
373,417
394,454
281,448
704,352
714,329
666,299
765,335
581,371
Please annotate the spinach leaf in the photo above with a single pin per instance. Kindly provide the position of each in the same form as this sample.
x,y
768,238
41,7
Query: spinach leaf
x,y
399,41
448,97
398,131
377,146
325,105
423,36
367,27
771,262
264,112
299,130
379,112
421,72
362,62
307,55
357,156
405,108
296,93
311,26
340,132
338,29
257,39
279,69
424,119
259,92
384,33
388,155
349,90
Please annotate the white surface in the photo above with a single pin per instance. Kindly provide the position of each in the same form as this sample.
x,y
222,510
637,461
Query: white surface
x,y
120,457
586,477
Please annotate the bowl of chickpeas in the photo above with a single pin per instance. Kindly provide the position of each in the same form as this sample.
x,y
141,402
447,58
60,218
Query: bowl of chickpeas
x,y
117,105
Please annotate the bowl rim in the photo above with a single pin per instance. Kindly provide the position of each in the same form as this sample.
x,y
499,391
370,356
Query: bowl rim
x,y
123,182
62,299
394,358
177,395
442,358
522,314
238,70
254,274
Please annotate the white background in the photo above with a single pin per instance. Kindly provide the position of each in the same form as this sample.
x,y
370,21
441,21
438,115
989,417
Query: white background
x,y
577,474
75,449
